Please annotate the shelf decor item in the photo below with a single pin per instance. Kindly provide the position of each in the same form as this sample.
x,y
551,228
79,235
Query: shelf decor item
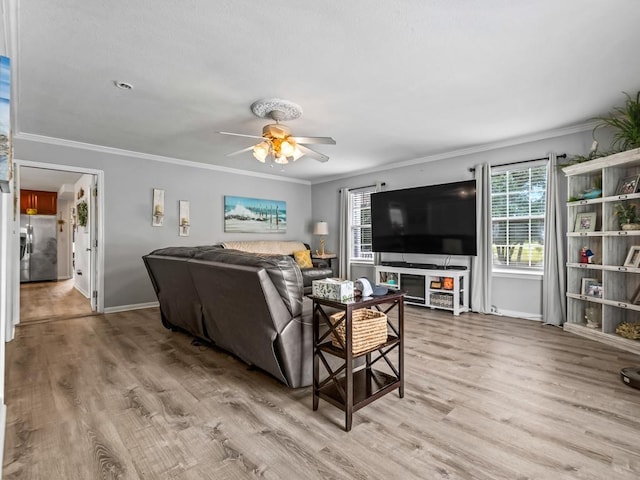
x,y
593,316
585,222
333,289
368,330
629,330
626,213
628,185
633,257
586,285
636,296
594,290
625,122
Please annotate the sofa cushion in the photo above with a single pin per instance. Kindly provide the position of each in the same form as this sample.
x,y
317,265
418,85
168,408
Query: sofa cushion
x,y
275,247
303,258
282,270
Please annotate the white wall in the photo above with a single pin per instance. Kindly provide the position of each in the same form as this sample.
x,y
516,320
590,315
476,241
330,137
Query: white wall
x,y
517,296
129,184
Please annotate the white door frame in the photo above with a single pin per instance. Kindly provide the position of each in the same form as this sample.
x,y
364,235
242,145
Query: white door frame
x,y
99,232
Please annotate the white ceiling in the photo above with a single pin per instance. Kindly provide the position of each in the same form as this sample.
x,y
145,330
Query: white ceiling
x,y
45,179
390,81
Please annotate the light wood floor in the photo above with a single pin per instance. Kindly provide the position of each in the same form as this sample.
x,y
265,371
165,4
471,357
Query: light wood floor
x,y
43,301
118,396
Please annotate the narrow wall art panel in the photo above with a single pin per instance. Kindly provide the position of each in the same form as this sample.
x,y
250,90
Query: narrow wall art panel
x,y
254,215
5,124
185,218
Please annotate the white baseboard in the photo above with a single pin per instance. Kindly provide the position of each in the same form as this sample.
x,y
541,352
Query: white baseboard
x,y
126,308
86,294
3,428
64,277
523,315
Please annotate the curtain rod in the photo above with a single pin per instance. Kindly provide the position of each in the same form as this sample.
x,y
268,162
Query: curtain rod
x,y
366,186
563,155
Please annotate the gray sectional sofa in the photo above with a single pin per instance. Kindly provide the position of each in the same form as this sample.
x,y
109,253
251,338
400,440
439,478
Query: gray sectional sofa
x,y
250,304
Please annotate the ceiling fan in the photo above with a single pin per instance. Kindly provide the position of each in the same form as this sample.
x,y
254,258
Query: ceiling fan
x,y
276,142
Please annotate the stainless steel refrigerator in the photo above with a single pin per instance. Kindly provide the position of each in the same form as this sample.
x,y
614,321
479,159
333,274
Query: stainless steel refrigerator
x,y
38,248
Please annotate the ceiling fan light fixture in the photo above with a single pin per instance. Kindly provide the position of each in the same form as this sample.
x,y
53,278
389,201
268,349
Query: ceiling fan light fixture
x,y
280,159
297,153
287,147
260,151
277,145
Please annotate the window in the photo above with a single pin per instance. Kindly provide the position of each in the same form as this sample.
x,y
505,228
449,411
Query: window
x,y
518,202
360,225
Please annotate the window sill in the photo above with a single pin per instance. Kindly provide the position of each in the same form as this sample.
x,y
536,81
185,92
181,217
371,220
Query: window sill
x,y
361,262
522,274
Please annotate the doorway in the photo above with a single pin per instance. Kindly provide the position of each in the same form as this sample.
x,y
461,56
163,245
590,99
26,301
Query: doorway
x,y
73,286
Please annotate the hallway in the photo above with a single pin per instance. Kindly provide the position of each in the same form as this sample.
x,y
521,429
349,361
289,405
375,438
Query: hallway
x,y
42,301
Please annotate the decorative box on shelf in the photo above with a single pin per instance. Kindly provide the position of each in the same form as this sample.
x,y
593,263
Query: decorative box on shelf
x,y
441,300
333,289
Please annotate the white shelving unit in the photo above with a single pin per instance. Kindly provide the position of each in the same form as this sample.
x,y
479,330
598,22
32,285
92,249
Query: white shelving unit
x,y
610,246
417,283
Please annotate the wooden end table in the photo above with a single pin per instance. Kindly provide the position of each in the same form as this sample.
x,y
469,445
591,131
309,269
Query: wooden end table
x,y
342,387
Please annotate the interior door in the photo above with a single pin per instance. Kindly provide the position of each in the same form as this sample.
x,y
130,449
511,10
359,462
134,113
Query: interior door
x,y
93,239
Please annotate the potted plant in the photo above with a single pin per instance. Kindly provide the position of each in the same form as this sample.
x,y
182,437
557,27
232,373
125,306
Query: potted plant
x,y
626,213
625,122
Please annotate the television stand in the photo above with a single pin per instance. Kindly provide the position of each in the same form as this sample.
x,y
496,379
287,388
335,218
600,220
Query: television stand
x,y
446,289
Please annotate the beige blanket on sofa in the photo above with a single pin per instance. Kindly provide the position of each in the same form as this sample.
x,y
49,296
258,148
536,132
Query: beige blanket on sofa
x,y
275,247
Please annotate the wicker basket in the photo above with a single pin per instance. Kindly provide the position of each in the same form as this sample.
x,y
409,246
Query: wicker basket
x,y
629,330
368,327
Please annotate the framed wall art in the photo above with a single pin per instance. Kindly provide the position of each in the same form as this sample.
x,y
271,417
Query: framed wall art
x,y
5,125
593,289
254,215
628,185
587,283
633,257
636,296
585,222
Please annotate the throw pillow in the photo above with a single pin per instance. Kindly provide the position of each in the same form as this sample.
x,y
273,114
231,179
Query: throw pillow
x,y
303,258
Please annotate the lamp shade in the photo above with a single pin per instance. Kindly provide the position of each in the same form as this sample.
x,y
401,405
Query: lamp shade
x,y
321,228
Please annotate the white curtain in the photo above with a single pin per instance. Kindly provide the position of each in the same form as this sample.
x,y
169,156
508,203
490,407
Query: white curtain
x,y
554,303
344,228
481,264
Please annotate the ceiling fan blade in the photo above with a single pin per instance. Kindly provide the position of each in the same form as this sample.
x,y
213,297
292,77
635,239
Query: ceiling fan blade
x,y
240,151
313,154
324,140
241,135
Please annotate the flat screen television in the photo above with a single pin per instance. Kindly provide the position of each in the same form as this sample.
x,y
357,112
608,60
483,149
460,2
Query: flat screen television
x,y
434,219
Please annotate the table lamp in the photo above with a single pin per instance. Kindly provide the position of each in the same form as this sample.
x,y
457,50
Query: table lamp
x,y
321,228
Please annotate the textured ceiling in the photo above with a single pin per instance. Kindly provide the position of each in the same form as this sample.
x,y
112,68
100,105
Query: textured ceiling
x,y
390,81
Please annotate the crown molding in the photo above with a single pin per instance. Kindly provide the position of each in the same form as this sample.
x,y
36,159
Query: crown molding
x,y
560,132
147,156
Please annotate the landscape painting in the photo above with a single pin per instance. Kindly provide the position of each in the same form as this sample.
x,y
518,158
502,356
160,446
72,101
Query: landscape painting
x,y
254,215
5,126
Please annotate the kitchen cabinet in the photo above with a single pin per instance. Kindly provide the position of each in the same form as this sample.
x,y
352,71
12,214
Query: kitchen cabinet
x,y
44,203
